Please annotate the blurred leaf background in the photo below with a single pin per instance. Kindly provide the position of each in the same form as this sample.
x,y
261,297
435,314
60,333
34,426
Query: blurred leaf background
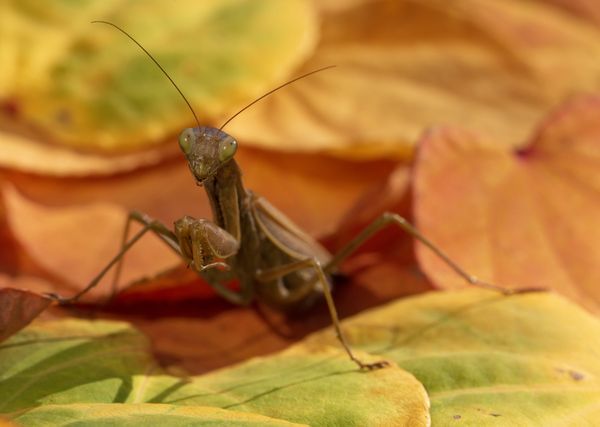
x,y
478,121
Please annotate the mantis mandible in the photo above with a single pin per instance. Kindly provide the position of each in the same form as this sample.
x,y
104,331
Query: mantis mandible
x,y
249,240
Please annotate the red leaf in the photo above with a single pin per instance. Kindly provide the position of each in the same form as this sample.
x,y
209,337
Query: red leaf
x,y
18,308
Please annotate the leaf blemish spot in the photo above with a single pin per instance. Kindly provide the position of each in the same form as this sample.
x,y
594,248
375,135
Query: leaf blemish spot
x,y
63,117
577,376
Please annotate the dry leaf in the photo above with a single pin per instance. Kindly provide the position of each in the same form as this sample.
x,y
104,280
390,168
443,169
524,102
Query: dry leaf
x,y
315,191
385,263
187,325
403,66
91,87
76,243
585,9
516,218
27,155
18,308
318,190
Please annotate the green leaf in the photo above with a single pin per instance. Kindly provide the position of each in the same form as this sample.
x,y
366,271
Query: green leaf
x,y
54,371
488,359
90,86
143,414
320,387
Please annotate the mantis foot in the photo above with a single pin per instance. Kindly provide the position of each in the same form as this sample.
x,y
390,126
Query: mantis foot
x,y
372,366
504,291
524,291
58,298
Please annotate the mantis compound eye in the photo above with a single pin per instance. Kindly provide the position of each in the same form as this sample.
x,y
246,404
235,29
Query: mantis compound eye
x,y
185,140
227,148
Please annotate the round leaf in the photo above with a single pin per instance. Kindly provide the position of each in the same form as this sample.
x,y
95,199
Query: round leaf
x,y
78,364
90,86
487,359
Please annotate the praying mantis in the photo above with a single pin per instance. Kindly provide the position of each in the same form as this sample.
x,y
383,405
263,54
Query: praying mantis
x,y
248,239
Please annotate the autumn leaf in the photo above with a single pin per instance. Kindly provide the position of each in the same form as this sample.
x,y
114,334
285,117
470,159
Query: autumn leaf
x,y
27,155
318,189
57,369
522,217
474,372
182,315
5,423
186,321
73,237
18,308
90,87
384,266
403,66
93,241
582,8
488,359
516,218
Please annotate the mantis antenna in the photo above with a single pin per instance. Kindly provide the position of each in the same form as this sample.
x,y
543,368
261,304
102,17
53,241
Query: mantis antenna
x,y
181,93
155,61
274,90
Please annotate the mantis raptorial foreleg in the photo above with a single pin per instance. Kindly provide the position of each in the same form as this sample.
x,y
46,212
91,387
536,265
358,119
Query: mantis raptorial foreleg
x,y
267,275
389,218
201,241
209,272
196,241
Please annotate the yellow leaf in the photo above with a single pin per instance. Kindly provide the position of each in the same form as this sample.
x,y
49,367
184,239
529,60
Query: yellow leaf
x,y
403,66
488,359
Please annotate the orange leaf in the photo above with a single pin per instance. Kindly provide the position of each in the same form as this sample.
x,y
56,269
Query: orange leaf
x,y
35,156
516,218
314,190
75,243
384,267
405,65
585,9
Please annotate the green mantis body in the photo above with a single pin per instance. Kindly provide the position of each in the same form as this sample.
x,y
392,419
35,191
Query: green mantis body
x,y
249,240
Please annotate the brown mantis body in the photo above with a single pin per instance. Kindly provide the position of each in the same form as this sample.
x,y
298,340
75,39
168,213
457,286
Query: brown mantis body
x,y
251,241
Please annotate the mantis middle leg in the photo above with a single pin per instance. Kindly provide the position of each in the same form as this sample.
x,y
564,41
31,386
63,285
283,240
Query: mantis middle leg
x,y
273,273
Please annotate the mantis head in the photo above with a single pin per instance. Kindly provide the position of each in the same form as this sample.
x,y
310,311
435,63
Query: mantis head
x,y
206,150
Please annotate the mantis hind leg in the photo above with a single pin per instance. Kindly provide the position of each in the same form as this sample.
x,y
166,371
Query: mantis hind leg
x,y
149,224
273,273
390,218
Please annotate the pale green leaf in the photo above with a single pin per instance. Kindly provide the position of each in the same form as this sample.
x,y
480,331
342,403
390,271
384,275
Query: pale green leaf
x,y
488,359
143,414
55,370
